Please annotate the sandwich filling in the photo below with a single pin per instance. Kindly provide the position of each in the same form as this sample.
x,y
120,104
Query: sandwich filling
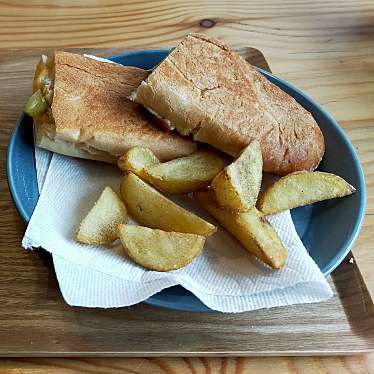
x,y
165,123
41,99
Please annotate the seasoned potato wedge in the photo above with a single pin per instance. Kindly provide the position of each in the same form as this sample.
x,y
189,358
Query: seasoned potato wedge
x,y
250,228
160,250
237,186
150,208
100,226
136,159
185,174
302,188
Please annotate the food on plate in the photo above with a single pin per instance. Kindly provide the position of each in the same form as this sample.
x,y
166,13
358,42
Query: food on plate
x,y
250,228
185,174
136,159
150,208
205,89
100,226
80,108
302,188
237,186
160,250
36,104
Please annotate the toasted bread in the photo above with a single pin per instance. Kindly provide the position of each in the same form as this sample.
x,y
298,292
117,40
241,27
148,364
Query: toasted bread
x,y
205,89
91,115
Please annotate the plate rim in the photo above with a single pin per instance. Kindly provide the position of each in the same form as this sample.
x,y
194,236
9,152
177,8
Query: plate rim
x,y
361,176
181,306
10,176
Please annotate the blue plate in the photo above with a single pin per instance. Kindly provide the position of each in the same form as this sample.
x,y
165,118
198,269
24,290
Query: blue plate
x,y
327,229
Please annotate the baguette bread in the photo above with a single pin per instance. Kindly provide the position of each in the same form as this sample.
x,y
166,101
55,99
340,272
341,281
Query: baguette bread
x,y
90,114
205,89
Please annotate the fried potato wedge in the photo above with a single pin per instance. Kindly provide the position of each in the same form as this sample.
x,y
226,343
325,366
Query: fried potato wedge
x,y
185,174
302,188
160,250
136,159
237,186
150,208
250,228
100,226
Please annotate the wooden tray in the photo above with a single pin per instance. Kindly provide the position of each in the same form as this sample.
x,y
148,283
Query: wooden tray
x,y
35,321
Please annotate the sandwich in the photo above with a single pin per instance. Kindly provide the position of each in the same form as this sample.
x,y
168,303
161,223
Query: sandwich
x,y
80,108
204,89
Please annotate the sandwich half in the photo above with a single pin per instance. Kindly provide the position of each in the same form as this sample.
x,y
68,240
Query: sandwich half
x,y
80,108
205,89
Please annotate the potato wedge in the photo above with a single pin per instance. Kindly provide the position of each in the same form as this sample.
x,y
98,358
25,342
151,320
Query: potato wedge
x,y
136,159
100,226
302,188
160,250
185,174
150,208
250,228
237,186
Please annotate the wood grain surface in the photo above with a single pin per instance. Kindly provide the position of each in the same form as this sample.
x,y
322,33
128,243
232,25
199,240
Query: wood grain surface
x,y
347,325
324,47
191,365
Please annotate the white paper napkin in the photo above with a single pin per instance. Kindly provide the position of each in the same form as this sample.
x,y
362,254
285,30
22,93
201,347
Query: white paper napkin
x,y
224,277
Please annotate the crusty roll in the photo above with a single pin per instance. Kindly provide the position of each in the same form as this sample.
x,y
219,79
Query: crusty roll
x,y
205,89
90,115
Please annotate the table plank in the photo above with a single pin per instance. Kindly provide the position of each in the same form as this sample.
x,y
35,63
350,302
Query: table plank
x,y
324,48
195,365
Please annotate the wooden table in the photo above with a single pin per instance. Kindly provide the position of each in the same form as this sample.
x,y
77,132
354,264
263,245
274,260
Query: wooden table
x,y
325,48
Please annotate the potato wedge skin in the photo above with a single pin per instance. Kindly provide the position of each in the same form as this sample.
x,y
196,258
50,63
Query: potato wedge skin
x,y
237,186
101,222
185,174
302,188
136,159
250,228
160,250
150,208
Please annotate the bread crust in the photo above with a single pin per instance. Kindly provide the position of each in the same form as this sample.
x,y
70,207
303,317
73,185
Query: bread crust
x,y
92,117
206,89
